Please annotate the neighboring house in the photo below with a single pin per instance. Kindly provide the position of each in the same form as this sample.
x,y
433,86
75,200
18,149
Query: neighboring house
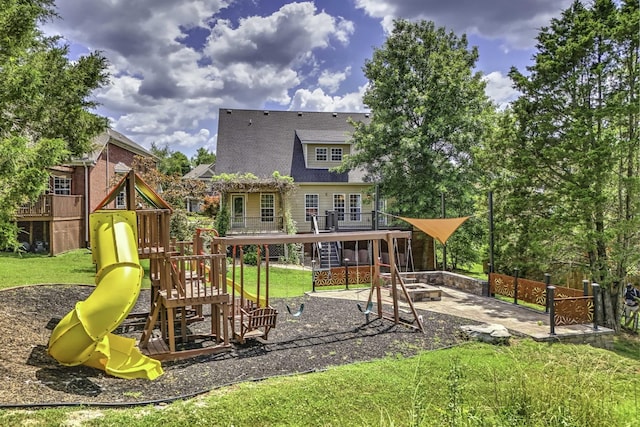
x,y
305,146
204,173
58,221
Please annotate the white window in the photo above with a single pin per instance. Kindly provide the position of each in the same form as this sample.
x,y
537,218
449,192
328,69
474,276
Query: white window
x,y
321,154
336,154
311,206
267,207
121,202
355,207
339,205
62,185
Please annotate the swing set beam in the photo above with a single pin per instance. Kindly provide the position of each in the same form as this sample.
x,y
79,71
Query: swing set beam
x,y
375,236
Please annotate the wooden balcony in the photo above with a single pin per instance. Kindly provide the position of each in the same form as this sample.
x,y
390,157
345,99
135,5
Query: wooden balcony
x,y
51,207
256,225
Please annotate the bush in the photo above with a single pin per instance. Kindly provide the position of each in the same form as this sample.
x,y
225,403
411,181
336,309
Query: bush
x,y
211,205
180,228
250,255
222,221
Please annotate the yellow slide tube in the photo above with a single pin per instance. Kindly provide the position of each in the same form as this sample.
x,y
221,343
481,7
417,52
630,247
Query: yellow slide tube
x,y
84,335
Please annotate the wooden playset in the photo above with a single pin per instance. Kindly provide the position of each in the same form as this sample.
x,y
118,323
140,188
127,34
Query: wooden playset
x,y
189,280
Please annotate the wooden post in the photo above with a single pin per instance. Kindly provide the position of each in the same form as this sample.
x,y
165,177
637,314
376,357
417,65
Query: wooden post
x,y
131,191
392,270
266,277
375,277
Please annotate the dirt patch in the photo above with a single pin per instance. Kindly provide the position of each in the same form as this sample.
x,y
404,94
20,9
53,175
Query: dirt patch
x,y
329,332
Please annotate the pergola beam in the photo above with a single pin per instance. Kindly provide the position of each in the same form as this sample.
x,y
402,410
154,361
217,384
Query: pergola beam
x,y
270,239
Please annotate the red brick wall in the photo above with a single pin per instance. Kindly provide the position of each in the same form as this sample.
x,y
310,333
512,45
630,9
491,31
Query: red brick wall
x,y
102,176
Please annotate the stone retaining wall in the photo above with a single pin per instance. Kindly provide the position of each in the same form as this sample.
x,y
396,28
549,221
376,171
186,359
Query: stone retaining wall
x,y
602,339
445,278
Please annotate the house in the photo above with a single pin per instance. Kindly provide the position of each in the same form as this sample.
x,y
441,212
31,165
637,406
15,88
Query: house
x,y
203,172
304,146
58,221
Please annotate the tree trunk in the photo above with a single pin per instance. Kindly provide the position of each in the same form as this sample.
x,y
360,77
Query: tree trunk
x,y
611,313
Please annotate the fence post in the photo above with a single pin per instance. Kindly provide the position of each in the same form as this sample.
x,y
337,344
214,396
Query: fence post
x,y
515,285
585,287
313,275
547,283
346,273
596,305
552,309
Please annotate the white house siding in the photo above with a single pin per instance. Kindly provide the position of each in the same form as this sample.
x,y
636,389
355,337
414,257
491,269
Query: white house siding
x,y
325,192
312,163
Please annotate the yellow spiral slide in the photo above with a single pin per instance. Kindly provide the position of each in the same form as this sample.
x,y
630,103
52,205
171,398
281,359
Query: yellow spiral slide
x,y
84,335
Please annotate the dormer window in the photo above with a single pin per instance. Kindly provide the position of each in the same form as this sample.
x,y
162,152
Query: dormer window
x,y
336,154
321,154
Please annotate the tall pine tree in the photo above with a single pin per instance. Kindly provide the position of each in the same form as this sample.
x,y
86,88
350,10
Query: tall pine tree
x,y
565,162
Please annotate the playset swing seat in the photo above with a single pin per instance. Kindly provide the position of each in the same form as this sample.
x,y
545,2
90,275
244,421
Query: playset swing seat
x,y
297,313
257,323
366,311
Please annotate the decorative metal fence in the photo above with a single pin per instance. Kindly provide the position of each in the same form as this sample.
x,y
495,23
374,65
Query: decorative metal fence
x,y
569,306
341,276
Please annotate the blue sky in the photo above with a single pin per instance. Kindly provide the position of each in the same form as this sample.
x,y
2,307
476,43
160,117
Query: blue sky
x,y
175,63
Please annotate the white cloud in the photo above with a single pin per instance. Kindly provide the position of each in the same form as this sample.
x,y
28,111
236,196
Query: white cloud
x,y
318,100
187,142
499,89
517,22
332,81
165,91
282,39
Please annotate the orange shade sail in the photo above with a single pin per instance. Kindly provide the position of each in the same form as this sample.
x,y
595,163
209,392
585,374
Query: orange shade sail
x,y
438,228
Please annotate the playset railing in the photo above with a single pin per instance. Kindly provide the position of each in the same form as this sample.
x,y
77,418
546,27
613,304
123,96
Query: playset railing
x,y
195,278
152,235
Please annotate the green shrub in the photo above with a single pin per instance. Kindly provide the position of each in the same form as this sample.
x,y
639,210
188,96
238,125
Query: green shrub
x,y
180,228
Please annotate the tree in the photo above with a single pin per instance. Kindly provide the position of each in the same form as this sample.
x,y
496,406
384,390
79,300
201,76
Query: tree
x,y
173,188
203,157
429,109
566,160
44,106
171,162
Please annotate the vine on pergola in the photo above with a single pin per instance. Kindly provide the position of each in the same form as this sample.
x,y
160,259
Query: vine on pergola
x,y
249,183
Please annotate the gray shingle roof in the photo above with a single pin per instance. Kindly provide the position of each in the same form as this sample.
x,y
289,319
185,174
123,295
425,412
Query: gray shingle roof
x,y
261,142
203,172
308,136
100,142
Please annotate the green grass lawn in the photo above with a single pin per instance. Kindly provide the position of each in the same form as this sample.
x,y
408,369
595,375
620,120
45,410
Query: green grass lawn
x,y
74,267
524,384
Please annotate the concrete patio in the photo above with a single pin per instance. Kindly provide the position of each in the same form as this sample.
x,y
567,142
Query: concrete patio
x,y
517,319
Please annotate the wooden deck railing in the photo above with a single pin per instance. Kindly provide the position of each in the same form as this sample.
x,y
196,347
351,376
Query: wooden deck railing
x,y
250,224
53,206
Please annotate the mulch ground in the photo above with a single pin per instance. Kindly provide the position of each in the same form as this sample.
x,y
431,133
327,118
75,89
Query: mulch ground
x,y
330,332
